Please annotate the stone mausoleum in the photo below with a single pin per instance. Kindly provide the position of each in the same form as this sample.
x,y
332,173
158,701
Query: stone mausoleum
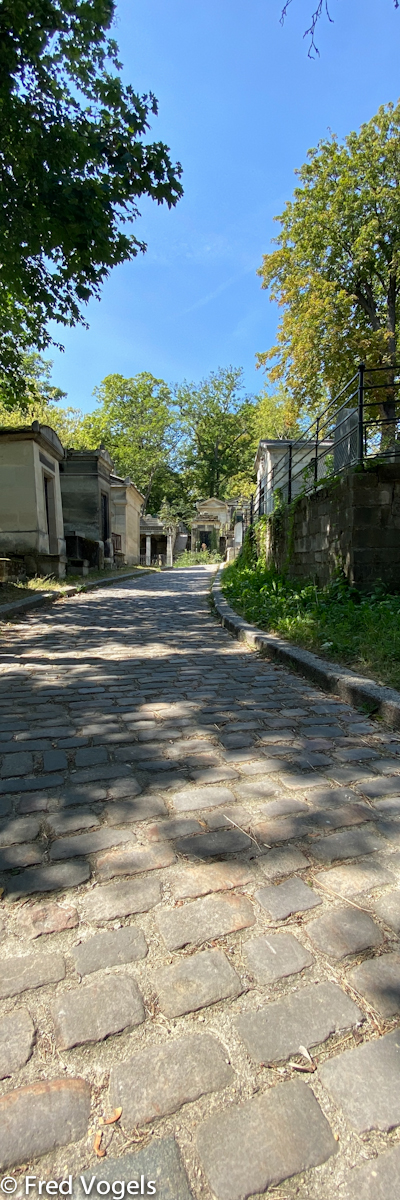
x,y
86,502
126,506
211,524
62,509
31,515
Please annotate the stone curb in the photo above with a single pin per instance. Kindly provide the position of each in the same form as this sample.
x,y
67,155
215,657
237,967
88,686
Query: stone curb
x,y
21,606
355,689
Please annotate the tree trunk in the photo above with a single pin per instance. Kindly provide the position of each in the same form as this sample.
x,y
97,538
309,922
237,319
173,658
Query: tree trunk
x,y
148,490
387,404
216,479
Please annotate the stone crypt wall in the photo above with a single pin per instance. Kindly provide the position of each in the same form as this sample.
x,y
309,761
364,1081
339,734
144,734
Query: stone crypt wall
x,y
352,523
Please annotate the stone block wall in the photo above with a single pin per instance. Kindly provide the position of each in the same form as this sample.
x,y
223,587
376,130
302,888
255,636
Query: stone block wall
x,y
352,523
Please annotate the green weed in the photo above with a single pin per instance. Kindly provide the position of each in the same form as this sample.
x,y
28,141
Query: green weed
x,y
337,621
193,558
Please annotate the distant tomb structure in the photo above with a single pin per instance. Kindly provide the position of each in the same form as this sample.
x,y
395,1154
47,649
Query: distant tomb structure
x,y
211,525
153,542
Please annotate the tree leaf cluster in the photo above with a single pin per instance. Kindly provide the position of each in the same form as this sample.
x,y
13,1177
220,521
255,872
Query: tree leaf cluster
x,y
42,402
73,165
335,272
178,445
136,423
217,432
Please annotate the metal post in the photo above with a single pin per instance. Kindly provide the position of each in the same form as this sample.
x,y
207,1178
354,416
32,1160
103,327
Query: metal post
x,y
251,510
360,439
316,454
290,474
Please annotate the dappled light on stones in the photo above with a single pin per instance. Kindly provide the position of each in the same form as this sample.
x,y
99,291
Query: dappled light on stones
x,y
198,923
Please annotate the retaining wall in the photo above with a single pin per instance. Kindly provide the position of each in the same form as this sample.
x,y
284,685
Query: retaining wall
x,y
352,523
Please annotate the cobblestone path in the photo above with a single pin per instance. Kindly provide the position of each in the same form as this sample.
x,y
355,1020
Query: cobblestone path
x,y
200,857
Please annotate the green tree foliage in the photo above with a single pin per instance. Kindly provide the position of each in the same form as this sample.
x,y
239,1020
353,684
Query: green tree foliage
x,y
135,422
42,402
170,516
174,487
139,423
275,416
336,271
73,167
217,432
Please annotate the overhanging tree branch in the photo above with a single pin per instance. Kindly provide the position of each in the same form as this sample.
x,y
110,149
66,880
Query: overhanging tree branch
x,y
322,6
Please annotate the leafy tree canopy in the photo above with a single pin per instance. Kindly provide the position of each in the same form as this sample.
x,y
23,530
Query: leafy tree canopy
x,y
73,165
173,487
42,402
170,515
136,424
138,421
336,271
217,431
275,416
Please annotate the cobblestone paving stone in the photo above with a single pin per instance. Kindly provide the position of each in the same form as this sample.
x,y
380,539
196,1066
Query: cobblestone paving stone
x,y
274,1032
213,845
377,1180
272,958
195,982
92,1012
264,1141
160,1079
109,950
388,909
365,1083
21,974
159,1162
283,899
378,980
17,1033
344,931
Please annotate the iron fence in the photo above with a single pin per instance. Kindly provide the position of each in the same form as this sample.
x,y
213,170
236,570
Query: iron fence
x,y
361,423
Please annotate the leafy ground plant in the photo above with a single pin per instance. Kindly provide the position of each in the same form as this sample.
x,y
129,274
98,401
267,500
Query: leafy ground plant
x,y
337,621
194,558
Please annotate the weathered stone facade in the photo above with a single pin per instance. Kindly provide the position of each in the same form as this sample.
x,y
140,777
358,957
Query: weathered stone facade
x,y
352,523
126,505
31,516
86,502
211,523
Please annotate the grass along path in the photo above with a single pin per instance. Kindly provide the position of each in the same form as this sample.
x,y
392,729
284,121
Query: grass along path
x,y
337,622
13,590
196,558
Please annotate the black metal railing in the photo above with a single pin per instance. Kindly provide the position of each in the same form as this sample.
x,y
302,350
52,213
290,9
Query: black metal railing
x,y
361,423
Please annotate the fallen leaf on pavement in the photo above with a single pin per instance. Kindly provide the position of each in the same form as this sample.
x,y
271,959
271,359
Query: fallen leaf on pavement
x,y
114,1117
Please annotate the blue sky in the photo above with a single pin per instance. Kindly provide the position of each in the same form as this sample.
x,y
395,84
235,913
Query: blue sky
x,y
240,103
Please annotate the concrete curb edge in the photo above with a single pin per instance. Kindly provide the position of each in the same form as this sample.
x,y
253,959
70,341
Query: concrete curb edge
x,y
7,611
355,689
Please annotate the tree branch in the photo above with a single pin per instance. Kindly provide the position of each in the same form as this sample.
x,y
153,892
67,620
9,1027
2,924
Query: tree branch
x,y
367,303
321,6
